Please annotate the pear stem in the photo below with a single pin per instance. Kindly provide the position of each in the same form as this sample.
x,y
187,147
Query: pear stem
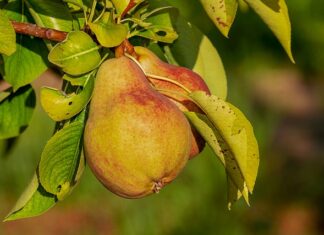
x,y
167,92
152,76
168,80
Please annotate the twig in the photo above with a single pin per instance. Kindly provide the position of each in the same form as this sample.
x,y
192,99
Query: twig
x,y
40,32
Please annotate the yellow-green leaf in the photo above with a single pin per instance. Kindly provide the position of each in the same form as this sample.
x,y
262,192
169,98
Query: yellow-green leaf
x,y
222,150
221,12
233,193
109,35
77,54
210,67
7,35
236,132
61,158
33,201
275,14
60,107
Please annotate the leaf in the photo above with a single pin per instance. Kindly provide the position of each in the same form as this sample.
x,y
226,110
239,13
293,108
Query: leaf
x,y
4,95
77,54
202,57
109,35
16,111
159,28
209,66
61,158
34,201
50,14
236,132
28,57
275,14
221,12
60,107
78,80
7,35
122,6
212,136
233,193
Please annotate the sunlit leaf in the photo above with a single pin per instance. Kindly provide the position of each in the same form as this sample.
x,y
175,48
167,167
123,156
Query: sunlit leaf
x,y
109,35
77,54
233,193
275,14
160,28
61,158
202,57
16,111
122,6
7,35
60,107
50,14
222,149
236,132
34,201
28,57
221,12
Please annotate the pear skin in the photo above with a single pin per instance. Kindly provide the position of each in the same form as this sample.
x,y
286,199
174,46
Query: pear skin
x,y
191,80
135,140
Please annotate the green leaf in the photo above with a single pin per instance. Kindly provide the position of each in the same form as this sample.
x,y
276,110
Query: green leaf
x,y
7,35
4,95
77,54
122,5
275,14
60,107
109,35
16,112
222,13
222,149
159,29
235,130
78,80
233,193
28,57
202,57
50,14
61,157
34,201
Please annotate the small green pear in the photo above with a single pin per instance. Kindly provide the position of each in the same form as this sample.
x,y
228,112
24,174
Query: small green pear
x,y
191,80
135,140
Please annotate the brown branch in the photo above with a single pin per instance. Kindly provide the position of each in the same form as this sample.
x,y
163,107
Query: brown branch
x,y
40,32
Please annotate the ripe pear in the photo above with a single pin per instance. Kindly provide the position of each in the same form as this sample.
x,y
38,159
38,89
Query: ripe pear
x,y
135,140
151,64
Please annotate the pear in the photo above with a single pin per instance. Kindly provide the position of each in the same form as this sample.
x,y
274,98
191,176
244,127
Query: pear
x,y
135,140
151,64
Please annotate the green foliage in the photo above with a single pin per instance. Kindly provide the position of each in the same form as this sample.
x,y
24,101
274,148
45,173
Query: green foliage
x,y
222,13
16,110
33,201
110,34
77,55
7,35
61,158
60,106
29,56
231,136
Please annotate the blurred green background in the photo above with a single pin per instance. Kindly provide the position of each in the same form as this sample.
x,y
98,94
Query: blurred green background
x,y
284,102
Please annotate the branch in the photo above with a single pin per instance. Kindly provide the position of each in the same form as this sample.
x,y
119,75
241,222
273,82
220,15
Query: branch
x,y
40,32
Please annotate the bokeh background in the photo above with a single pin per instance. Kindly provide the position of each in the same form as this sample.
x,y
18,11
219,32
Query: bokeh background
x,y
284,102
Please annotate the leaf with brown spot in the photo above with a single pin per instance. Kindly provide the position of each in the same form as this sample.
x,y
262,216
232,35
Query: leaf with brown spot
x,y
221,12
